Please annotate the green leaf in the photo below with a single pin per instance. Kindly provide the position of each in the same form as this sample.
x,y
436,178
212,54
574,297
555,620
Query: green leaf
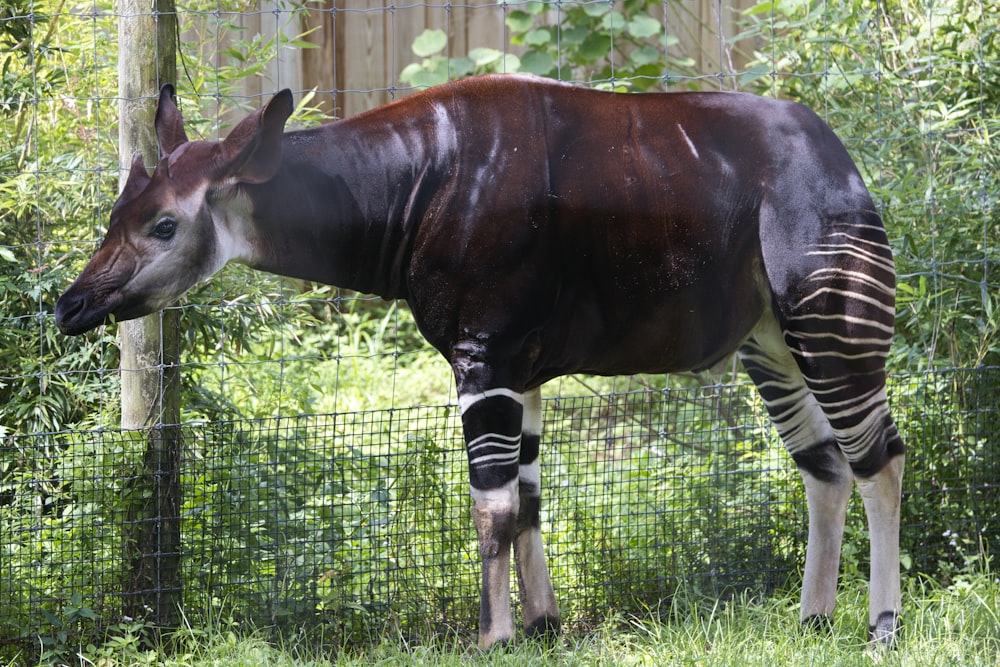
x,y
643,26
509,64
573,36
519,21
538,37
596,45
461,67
429,42
670,40
645,55
754,73
760,8
410,72
597,9
537,62
484,57
614,22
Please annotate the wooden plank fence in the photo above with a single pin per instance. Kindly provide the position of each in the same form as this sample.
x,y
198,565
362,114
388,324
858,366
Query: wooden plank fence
x,y
361,46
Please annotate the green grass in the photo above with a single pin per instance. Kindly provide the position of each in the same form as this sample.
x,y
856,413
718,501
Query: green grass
x,y
944,625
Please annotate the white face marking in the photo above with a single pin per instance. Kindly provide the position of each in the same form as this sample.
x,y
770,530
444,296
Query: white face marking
x,y
233,231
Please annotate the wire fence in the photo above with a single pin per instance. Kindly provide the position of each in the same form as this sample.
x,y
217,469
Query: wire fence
x,y
350,523
319,478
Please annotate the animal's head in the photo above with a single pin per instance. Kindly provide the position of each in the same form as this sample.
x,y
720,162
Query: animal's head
x,y
176,227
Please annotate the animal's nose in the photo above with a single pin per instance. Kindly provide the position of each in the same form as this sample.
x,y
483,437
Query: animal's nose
x,y
68,309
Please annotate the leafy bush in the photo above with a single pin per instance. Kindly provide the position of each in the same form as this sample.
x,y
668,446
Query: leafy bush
x,y
619,46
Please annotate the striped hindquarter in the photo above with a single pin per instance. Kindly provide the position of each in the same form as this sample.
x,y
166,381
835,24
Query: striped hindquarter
x,y
818,361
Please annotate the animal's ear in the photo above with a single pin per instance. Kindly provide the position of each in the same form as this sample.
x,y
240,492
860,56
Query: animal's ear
x,y
169,124
138,179
252,151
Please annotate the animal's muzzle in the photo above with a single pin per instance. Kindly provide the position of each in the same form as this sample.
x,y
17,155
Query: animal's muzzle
x,y
74,314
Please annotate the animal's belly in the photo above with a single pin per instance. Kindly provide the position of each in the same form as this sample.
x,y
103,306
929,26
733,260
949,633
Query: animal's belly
x,y
679,332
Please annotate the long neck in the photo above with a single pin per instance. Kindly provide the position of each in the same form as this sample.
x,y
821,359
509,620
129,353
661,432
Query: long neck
x,y
344,205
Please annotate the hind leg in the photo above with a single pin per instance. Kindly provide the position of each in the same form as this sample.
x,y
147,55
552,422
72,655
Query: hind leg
x,y
831,275
810,440
839,335
881,493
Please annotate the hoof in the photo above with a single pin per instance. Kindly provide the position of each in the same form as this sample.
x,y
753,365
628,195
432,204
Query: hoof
x,y
886,629
819,623
494,645
544,628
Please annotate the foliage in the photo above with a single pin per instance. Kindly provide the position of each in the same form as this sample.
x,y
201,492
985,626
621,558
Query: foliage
x,y
50,178
616,46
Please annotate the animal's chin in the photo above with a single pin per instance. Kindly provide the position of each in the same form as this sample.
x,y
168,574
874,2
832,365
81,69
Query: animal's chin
x,y
78,328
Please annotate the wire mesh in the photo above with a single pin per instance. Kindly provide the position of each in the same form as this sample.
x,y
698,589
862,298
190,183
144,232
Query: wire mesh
x,y
351,523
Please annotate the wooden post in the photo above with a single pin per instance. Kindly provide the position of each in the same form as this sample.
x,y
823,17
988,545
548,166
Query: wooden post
x,y
150,376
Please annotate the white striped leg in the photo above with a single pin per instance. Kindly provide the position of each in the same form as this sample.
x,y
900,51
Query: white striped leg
x,y
540,614
492,420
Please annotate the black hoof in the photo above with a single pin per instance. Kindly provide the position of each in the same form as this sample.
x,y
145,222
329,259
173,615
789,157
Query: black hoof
x,y
545,628
886,629
819,623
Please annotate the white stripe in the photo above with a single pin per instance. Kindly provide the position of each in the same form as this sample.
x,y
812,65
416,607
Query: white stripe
x,y
503,497
802,335
495,459
888,328
690,143
531,474
851,295
466,401
853,275
858,239
532,419
495,440
840,355
871,258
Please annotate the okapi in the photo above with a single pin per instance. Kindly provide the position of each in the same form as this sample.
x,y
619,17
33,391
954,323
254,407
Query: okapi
x,y
539,229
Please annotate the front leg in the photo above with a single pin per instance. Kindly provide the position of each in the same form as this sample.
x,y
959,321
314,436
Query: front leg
x,y
538,601
491,420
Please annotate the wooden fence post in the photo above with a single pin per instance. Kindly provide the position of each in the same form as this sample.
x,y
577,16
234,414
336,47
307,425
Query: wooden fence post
x,y
150,376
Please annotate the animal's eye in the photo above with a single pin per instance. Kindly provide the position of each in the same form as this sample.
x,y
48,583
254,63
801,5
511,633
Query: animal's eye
x,y
165,228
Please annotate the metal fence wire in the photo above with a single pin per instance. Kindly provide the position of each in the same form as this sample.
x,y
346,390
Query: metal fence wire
x,y
317,480
351,523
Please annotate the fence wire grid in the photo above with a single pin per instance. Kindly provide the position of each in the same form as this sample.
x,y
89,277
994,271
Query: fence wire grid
x,y
355,522
317,477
